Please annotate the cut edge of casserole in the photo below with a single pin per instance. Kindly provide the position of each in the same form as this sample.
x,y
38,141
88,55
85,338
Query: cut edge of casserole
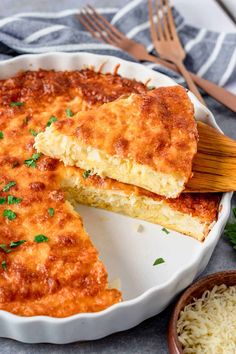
x,y
57,145
135,202
147,140
122,198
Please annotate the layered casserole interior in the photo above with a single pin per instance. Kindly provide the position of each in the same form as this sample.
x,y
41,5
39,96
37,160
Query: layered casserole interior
x,y
148,140
191,214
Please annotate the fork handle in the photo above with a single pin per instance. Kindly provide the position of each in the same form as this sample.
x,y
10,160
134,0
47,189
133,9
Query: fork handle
x,y
219,93
189,80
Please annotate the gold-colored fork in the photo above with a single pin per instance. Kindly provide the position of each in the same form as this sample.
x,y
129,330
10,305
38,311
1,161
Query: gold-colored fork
x,y
101,29
166,40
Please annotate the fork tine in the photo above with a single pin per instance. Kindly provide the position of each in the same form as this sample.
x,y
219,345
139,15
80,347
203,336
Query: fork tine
x,y
159,22
100,25
151,19
96,25
91,27
107,23
162,8
171,19
88,28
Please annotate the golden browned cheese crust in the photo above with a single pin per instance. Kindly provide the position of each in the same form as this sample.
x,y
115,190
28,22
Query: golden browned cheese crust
x,y
60,277
37,278
156,129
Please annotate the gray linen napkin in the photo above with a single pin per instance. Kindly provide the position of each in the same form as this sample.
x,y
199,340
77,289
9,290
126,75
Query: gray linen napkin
x,y
209,54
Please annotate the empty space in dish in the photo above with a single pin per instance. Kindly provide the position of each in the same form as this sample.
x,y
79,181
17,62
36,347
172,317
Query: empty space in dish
x,y
129,255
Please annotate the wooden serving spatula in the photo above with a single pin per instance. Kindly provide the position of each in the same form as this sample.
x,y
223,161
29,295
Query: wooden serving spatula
x,y
214,166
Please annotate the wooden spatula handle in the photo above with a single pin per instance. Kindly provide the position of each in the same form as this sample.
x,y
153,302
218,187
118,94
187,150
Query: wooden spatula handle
x,y
214,166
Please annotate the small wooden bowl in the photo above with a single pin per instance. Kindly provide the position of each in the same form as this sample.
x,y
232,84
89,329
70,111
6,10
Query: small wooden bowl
x,y
195,291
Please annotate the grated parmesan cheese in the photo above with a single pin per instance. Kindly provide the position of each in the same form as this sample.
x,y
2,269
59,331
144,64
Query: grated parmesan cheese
x,y
208,325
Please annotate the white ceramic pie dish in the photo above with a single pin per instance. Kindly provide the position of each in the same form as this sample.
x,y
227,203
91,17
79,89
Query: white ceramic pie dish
x,y
126,253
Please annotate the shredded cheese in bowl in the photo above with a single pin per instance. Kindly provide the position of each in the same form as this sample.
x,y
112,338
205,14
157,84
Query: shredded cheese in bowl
x,y
208,324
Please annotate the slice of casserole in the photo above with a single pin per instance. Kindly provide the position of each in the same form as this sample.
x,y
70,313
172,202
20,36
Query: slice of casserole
x,y
148,140
191,214
49,266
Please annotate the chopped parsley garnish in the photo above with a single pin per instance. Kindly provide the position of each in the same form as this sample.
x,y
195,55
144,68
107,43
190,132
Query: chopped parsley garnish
x,y
2,200
17,104
230,229
10,200
51,212
165,230
32,162
1,135
40,238
15,244
9,214
69,112
158,261
51,120
8,186
4,248
15,164
86,174
13,200
33,132
4,265
36,156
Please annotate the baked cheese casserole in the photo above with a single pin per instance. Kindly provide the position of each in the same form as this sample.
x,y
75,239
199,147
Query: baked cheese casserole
x,y
191,214
148,140
48,265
